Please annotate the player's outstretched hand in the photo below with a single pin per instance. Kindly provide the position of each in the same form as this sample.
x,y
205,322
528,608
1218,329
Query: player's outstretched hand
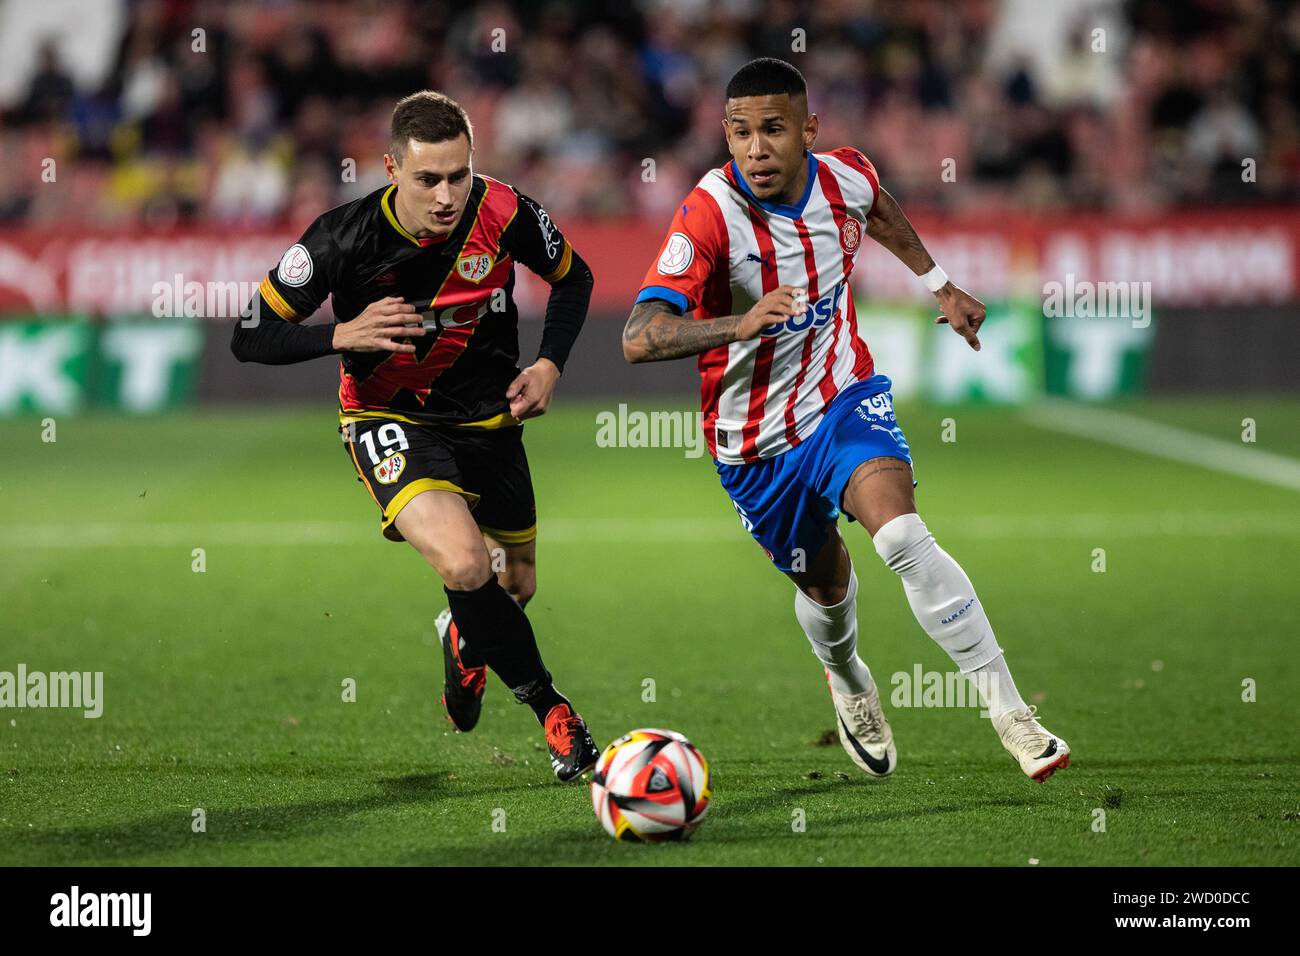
x,y
773,309
962,311
529,394
379,328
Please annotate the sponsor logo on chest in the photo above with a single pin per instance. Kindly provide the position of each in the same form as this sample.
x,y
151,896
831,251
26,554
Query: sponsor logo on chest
x,y
814,316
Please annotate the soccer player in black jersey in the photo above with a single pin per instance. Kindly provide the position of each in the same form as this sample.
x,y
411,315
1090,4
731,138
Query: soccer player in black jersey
x,y
431,399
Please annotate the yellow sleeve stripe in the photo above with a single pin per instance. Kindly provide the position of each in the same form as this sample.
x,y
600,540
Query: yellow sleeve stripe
x,y
276,301
562,269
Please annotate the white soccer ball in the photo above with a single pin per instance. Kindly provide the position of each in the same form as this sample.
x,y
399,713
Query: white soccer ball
x,y
651,786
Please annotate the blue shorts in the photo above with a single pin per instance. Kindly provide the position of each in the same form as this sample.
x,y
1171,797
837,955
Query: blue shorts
x,y
790,503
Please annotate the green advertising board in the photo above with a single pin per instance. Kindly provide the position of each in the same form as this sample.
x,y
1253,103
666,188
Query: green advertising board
x,y
61,366
1095,358
1023,353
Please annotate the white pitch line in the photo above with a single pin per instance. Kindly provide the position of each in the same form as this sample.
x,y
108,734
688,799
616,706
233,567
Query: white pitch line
x,y
1165,441
598,531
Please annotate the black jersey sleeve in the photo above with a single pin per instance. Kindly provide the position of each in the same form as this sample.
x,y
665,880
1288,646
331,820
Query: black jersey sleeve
x,y
537,243
269,331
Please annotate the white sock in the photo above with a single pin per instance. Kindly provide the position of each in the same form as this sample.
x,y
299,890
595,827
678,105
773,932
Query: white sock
x,y
941,596
833,633
993,680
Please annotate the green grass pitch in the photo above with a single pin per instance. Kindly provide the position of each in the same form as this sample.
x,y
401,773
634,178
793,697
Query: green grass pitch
x,y
223,689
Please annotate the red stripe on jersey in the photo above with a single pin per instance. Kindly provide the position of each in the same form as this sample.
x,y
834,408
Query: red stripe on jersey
x,y
810,264
827,384
714,302
862,364
499,206
460,300
445,351
809,260
763,359
700,219
757,399
347,389
495,211
857,160
804,361
835,196
712,364
404,371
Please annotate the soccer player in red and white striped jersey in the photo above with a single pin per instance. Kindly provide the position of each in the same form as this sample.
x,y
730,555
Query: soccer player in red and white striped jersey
x,y
753,279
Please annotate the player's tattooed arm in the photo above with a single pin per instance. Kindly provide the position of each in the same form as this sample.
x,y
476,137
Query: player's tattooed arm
x,y
655,333
887,224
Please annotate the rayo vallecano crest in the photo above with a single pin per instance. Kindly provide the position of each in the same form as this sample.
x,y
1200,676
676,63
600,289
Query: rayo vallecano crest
x,y
390,469
474,268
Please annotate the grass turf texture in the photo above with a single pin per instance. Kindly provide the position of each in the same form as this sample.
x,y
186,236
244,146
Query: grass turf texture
x,y
223,688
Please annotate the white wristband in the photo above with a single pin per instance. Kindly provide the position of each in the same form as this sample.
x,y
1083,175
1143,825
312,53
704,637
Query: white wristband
x,y
935,279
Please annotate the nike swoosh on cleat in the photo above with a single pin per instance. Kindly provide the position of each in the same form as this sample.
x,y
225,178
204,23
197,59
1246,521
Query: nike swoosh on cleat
x,y
1051,749
1062,763
877,766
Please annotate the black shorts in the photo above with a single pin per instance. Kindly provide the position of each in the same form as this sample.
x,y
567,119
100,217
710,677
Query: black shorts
x,y
397,460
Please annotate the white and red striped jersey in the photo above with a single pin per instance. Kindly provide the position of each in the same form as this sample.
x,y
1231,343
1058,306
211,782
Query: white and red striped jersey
x,y
725,250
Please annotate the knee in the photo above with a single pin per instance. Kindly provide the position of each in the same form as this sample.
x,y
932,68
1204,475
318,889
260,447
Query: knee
x,y
830,578
827,603
827,595
520,581
902,542
465,570
522,590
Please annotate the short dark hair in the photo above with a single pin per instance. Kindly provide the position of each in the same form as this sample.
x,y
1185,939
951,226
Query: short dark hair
x,y
428,117
766,76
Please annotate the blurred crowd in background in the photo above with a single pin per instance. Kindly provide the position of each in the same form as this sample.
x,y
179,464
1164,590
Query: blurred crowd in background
x,y
1028,105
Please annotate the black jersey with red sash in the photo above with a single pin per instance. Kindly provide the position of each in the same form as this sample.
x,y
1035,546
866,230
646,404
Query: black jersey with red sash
x,y
462,285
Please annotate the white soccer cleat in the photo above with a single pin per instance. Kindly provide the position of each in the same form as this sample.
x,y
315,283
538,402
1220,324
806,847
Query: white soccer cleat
x,y
864,731
1039,753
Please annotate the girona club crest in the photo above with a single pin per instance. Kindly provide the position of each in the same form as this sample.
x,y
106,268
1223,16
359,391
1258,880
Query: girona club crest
x,y
850,236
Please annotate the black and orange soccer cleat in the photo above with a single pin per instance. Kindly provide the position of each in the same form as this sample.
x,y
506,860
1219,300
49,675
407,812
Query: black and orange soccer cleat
x,y
573,752
462,695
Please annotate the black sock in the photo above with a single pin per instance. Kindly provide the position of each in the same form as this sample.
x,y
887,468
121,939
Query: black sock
x,y
496,630
468,656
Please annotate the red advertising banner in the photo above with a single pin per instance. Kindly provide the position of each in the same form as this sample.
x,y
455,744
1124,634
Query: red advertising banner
x,y
1214,257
